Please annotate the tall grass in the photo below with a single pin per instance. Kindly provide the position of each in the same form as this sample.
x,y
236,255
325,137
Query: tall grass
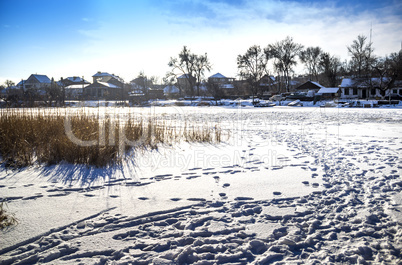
x,y
27,137
6,218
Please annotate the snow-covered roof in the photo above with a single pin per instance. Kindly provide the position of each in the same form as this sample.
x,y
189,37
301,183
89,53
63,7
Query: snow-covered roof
x,y
184,76
328,90
347,82
76,86
103,74
362,82
317,84
171,90
100,74
42,79
76,79
21,82
110,85
217,75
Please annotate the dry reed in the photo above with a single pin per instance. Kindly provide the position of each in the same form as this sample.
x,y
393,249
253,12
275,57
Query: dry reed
x,y
6,218
29,137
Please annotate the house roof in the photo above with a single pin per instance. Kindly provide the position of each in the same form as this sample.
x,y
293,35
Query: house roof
x,y
100,74
270,77
76,86
103,74
110,85
76,79
362,82
309,85
217,75
328,90
21,82
185,76
317,84
347,82
42,79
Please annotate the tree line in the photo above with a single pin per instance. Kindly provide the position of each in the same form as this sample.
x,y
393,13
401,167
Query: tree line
x,y
280,59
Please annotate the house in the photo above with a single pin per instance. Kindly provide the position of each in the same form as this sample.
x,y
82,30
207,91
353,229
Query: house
x,y
309,86
225,82
105,86
108,78
171,91
218,78
21,84
396,91
36,82
185,81
74,80
156,93
268,86
365,88
73,86
329,92
140,83
75,91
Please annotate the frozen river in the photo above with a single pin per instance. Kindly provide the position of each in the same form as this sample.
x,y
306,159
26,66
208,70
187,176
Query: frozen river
x,y
294,167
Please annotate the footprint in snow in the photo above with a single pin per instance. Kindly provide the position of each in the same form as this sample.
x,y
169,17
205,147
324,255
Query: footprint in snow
x,y
196,199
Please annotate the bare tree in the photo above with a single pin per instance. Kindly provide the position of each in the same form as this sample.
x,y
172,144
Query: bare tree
x,y
191,67
388,69
253,66
53,93
311,58
362,58
285,52
331,66
9,83
216,89
201,64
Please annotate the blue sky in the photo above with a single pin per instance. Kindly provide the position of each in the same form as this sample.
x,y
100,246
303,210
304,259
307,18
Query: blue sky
x,y
62,38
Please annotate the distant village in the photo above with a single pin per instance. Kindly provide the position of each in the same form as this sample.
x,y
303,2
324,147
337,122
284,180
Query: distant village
x,y
106,86
364,77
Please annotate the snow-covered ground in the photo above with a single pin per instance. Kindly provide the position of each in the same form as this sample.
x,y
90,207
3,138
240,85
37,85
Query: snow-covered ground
x,y
286,186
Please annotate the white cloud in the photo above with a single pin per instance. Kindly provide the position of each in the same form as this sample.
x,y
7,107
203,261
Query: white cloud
x,y
229,30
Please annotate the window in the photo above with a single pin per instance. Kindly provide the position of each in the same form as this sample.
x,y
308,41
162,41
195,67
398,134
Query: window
x,y
354,91
400,91
373,91
395,91
346,91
